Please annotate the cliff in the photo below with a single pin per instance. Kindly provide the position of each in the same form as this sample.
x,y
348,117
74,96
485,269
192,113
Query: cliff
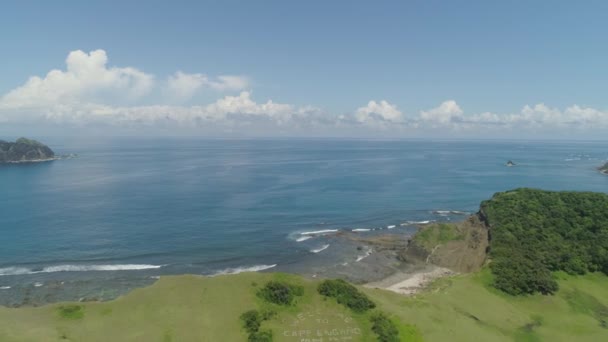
x,y
24,150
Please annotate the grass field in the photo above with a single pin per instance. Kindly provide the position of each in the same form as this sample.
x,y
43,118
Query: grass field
x,y
191,308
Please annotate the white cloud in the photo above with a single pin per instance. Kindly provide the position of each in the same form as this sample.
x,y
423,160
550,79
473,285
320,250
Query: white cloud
x,y
378,111
446,113
183,86
89,92
87,77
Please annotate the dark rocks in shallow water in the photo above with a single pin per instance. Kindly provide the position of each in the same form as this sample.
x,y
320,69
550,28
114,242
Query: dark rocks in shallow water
x,y
510,163
24,150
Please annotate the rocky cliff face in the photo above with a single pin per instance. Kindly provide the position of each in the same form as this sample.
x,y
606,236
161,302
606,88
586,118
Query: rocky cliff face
x,y
24,150
461,247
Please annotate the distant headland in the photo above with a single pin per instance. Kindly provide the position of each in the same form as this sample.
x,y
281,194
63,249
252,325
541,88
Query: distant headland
x,y
24,150
604,169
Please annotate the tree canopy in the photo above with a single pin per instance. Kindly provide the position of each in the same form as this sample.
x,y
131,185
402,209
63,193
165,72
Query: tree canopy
x,y
535,232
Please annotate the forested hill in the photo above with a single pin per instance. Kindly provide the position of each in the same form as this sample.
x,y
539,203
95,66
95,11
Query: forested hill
x,y
534,233
24,150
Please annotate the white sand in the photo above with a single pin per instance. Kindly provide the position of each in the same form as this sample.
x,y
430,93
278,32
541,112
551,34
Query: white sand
x,y
411,283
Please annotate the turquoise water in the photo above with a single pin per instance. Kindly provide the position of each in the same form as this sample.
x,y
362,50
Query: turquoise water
x,y
126,210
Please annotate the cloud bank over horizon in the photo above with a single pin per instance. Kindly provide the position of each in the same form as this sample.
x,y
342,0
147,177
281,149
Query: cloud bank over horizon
x,y
91,93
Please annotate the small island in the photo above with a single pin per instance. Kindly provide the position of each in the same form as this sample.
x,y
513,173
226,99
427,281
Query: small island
x,y
510,163
24,150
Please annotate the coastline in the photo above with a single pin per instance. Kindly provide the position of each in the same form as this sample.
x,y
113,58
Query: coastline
x,y
31,161
370,260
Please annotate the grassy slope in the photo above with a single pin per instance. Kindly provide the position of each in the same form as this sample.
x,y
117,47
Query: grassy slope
x,y
189,308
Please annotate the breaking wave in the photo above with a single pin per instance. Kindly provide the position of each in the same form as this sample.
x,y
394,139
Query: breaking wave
x,y
449,212
303,238
75,268
367,253
320,249
237,270
320,232
409,223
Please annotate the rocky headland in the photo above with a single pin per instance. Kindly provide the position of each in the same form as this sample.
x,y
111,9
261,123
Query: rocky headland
x,y
24,150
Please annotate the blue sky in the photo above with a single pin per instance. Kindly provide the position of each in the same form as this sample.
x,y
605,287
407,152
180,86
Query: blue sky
x,y
326,60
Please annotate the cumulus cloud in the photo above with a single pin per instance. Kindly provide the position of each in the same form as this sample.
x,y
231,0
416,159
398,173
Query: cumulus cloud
x,y
86,78
183,86
446,113
378,111
90,92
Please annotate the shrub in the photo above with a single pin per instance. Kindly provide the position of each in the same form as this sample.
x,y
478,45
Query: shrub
x,y
252,321
346,294
384,328
261,336
280,293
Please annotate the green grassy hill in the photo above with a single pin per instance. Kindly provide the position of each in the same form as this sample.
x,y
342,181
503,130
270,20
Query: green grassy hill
x,y
191,308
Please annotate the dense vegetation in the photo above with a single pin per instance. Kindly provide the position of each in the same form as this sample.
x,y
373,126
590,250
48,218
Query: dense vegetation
x,y
534,233
252,321
384,328
281,293
346,294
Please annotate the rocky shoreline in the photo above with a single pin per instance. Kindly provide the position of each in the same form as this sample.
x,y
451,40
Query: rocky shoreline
x,y
429,255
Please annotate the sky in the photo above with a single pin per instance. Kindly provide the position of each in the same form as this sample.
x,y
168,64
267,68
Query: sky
x,y
369,69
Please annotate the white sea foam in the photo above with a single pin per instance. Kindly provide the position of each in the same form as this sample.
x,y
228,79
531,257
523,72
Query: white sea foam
x,y
361,230
448,212
391,226
237,270
409,223
38,284
367,253
320,249
14,271
303,238
320,232
4,287
75,268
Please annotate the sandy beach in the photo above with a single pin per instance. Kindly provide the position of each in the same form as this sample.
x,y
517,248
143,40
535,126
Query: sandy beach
x,y
409,283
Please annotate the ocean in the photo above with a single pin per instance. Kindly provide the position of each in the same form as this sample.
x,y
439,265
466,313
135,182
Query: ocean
x,y
127,210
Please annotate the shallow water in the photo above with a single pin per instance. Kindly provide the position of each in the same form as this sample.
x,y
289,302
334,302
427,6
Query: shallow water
x,y
127,210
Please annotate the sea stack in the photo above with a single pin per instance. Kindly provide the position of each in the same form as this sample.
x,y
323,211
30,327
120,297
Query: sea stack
x,y
24,150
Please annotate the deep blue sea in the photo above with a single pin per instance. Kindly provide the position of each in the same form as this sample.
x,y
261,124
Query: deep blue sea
x,y
126,210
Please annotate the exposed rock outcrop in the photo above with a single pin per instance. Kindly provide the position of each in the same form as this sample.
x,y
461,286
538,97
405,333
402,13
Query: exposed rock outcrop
x,y
461,247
